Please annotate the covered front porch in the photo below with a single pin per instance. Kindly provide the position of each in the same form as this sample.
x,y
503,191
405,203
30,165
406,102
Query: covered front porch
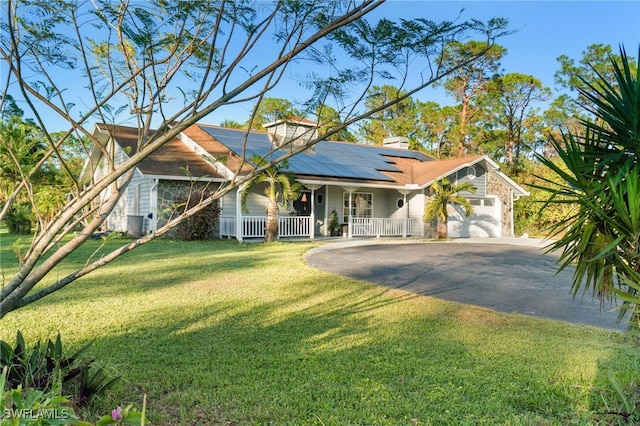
x,y
300,227
361,212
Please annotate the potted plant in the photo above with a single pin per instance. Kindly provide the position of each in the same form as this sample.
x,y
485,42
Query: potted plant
x,y
333,224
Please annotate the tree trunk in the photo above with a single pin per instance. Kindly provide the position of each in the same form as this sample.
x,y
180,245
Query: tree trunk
x,y
271,231
442,231
463,127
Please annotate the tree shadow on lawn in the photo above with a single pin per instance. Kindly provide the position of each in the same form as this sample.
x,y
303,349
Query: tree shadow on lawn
x,y
298,362
328,349
156,268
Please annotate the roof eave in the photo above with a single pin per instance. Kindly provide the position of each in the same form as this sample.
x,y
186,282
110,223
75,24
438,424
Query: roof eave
x,y
460,167
361,184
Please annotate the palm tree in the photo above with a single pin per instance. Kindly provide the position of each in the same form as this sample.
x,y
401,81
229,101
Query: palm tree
x,y
599,171
281,188
443,193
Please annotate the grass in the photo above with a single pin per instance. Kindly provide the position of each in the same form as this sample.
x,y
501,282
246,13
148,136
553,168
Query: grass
x,y
219,333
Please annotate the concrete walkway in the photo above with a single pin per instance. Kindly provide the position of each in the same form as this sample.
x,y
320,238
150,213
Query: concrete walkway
x,y
512,275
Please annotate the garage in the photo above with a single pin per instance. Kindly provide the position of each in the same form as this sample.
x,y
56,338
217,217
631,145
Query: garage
x,y
485,222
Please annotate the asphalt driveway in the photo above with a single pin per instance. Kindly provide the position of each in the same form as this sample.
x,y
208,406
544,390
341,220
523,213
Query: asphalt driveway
x,y
505,277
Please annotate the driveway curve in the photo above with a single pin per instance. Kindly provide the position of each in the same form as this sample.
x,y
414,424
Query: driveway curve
x,y
512,278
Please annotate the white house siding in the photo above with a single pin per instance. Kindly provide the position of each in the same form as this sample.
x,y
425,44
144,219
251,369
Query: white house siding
x,y
412,209
144,200
380,201
228,204
319,212
416,203
257,202
334,199
117,219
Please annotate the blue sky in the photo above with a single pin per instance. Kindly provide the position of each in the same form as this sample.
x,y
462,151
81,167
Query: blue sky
x,y
544,31
548,29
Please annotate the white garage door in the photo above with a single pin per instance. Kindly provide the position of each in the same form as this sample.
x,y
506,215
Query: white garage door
x,y
485,222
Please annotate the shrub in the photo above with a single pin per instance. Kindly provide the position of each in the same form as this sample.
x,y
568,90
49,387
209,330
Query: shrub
x,y
200,226
42,366
21,406
19,218
333,225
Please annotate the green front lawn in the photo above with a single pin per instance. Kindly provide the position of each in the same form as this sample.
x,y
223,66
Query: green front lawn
x,y
222,333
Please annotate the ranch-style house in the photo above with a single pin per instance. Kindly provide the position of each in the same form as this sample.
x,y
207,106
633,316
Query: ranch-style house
x,y
375,190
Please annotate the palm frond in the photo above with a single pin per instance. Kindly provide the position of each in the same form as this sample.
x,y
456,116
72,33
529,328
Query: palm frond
x,y
444,193
599,171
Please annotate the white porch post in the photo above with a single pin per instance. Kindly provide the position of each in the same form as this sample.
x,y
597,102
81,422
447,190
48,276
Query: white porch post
x,y
239,213
405,206
154,205
351,190
406,214
326,210
312,218
350,222
405,209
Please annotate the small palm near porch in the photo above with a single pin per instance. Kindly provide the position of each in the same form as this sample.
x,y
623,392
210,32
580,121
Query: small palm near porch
x,y
443,195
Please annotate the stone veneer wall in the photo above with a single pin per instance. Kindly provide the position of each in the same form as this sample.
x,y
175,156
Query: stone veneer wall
x,y
497,187
169,191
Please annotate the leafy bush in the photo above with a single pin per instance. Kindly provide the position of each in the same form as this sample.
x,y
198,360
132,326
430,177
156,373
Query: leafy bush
x,y
200,226
333,225
19,218
34,407
41,366
532,214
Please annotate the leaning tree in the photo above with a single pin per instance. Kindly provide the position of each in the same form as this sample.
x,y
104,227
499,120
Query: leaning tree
x,y
163,65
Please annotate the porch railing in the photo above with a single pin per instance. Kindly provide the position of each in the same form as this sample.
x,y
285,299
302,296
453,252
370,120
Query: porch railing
x,y
379,227
254,226
300,226
227,226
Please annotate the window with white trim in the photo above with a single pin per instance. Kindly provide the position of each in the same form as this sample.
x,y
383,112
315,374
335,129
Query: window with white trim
x,y
361,204
471,172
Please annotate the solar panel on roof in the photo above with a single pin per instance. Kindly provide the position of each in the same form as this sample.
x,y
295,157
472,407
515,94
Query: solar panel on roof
x,y
327,159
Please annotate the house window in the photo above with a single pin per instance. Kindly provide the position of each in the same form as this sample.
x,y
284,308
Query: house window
x,y
400,203
361,204
471,172
319,198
